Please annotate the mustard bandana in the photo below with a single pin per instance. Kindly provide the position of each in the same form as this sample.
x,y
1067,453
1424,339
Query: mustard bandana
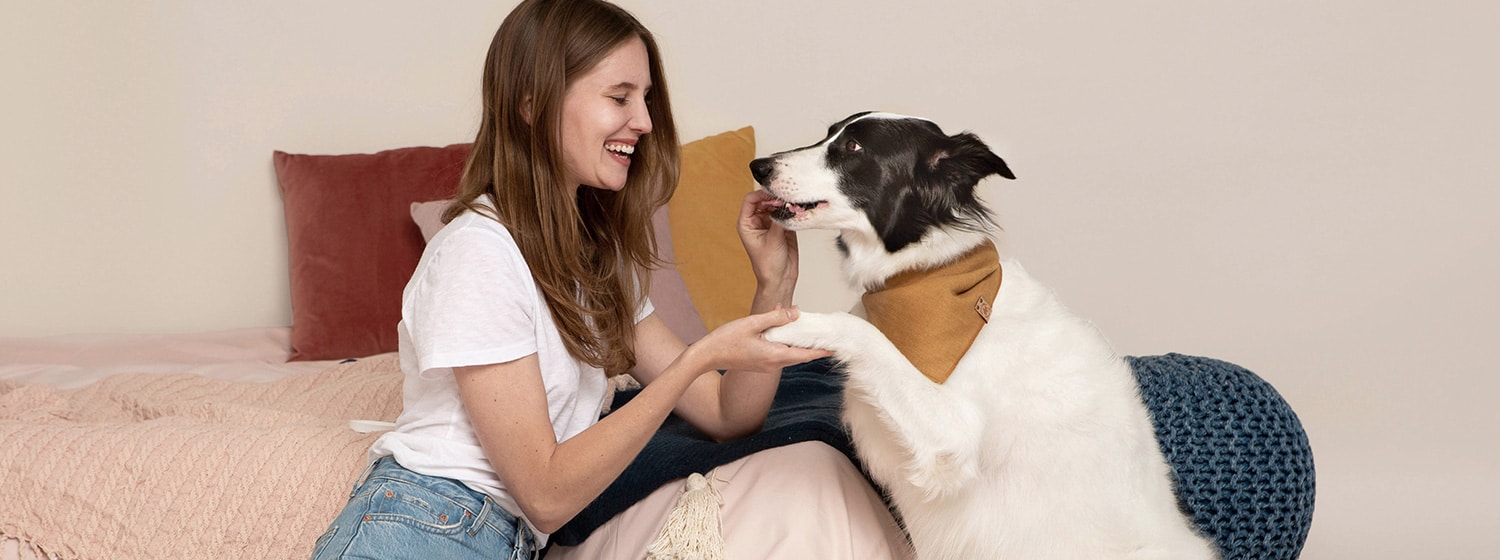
x,y
933,315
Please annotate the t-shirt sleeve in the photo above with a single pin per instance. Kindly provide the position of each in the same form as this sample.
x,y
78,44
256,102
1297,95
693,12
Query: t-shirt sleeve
x,y
472,303
645,309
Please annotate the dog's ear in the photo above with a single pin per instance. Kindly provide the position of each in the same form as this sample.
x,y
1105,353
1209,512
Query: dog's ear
x,y
965,159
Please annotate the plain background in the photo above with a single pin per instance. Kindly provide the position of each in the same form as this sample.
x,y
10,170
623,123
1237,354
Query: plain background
x,y
1306,189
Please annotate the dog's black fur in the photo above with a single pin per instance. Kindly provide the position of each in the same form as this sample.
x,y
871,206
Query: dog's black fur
x,y
934,175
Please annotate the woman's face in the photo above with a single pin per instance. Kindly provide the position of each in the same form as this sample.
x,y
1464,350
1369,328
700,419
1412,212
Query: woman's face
x,y
603,115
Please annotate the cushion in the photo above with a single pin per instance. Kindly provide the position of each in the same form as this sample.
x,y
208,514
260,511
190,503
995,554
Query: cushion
x,y
669,292
703,214
1241,461
429,216
352,245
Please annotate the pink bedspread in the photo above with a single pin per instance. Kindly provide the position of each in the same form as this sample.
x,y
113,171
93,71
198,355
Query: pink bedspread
x,y
179,465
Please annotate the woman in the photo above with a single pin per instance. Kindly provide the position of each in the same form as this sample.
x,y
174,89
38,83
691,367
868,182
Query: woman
x,y
534,292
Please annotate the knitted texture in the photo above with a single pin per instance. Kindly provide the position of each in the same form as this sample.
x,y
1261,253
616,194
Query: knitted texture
x,y
1242,464
146,466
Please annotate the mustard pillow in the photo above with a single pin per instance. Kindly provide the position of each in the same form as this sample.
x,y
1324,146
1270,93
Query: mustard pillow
x,y
703,213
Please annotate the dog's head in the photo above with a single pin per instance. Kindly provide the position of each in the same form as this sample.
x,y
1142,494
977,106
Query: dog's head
x,y
891,177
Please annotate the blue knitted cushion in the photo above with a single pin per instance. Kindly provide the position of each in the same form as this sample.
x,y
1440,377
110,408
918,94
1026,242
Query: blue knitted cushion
x,y
1240,458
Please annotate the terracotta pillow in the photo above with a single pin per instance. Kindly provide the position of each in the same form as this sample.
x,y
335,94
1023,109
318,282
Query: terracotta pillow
x,y
352,245
703,213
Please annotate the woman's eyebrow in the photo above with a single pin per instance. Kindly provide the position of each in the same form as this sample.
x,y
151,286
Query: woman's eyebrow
x,y
627,86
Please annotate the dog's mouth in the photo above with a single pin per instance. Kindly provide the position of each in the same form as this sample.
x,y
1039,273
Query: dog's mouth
x,y
787,210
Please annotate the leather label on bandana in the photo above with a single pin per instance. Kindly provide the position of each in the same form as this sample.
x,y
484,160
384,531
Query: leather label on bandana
x,y
934,315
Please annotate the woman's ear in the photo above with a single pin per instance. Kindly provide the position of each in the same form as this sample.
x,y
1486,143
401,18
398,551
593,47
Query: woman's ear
x,y
526,109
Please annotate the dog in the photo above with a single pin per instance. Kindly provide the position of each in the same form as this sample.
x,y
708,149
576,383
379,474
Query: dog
x,y
1025,438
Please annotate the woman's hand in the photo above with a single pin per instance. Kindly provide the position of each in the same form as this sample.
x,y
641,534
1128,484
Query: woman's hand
x,y
772,250
739,346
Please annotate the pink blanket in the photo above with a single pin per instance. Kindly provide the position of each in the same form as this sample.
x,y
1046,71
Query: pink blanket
x,y
186,466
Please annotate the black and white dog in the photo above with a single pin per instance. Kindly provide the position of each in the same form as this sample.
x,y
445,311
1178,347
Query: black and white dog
x,y
1035,444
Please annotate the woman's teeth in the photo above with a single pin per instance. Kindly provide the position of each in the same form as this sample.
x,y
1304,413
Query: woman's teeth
x,y
624,150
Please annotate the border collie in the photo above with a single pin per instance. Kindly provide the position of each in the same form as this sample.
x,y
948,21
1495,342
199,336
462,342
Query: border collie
x,y
1020,435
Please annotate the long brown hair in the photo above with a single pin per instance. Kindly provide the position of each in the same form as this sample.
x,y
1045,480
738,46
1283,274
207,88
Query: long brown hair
x,y
590,254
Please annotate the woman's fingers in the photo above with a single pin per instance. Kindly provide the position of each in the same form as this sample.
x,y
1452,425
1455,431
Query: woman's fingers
x,y
781,316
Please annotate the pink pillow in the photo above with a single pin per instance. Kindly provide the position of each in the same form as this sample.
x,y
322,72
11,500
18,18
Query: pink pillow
x,y
669,294
429,216
352,244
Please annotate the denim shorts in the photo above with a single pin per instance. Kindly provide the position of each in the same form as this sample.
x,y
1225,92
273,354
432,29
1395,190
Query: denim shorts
x,y
396,513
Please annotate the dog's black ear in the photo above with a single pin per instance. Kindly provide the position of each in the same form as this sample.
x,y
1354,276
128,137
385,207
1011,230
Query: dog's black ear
x,y
965,159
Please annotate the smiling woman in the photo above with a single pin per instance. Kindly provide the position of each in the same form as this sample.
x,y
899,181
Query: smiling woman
x,y
534,293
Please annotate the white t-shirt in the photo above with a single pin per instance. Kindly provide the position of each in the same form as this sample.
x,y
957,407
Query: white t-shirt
x,y
472,301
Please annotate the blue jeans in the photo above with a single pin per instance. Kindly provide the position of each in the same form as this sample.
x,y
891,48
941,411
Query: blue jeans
x,y
396,513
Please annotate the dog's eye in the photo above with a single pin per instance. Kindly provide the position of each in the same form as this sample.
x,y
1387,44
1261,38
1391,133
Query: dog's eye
x,y
852,145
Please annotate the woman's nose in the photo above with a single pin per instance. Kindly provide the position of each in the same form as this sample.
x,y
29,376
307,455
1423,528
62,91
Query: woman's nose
x,y
640,119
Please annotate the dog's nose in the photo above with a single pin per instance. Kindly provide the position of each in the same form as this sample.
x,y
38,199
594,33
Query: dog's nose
x,y
761,169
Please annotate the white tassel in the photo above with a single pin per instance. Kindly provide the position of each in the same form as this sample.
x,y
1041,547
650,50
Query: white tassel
x,y
692,531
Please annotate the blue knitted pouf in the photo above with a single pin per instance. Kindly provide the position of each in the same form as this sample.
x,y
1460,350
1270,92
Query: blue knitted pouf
x,y
1240,459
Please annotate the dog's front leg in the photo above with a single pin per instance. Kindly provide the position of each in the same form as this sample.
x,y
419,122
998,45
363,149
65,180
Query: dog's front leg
x,y
939,432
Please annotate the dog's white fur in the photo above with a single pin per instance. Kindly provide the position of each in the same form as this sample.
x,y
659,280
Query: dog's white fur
x,y
1037,446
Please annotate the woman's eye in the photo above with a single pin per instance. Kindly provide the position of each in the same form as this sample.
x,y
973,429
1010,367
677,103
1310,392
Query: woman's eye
x,y
619,100
852,145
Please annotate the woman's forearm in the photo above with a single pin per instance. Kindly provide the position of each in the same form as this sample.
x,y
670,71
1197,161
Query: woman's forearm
x,y
770,296
552,481
745,396
744,399
582,467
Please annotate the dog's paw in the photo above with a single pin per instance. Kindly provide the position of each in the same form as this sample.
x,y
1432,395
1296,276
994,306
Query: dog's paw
x,y
822,331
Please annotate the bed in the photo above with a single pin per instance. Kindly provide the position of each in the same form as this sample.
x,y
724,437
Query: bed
x,y
243,443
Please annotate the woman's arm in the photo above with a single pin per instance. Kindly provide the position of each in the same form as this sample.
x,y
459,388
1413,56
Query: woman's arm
x,y
735,404
726,406
552,481
772,250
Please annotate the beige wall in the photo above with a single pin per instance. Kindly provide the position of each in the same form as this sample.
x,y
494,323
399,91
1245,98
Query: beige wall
x,y
1302,188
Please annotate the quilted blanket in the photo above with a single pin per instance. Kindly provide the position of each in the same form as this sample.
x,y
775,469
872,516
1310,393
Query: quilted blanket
x,y
183,466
